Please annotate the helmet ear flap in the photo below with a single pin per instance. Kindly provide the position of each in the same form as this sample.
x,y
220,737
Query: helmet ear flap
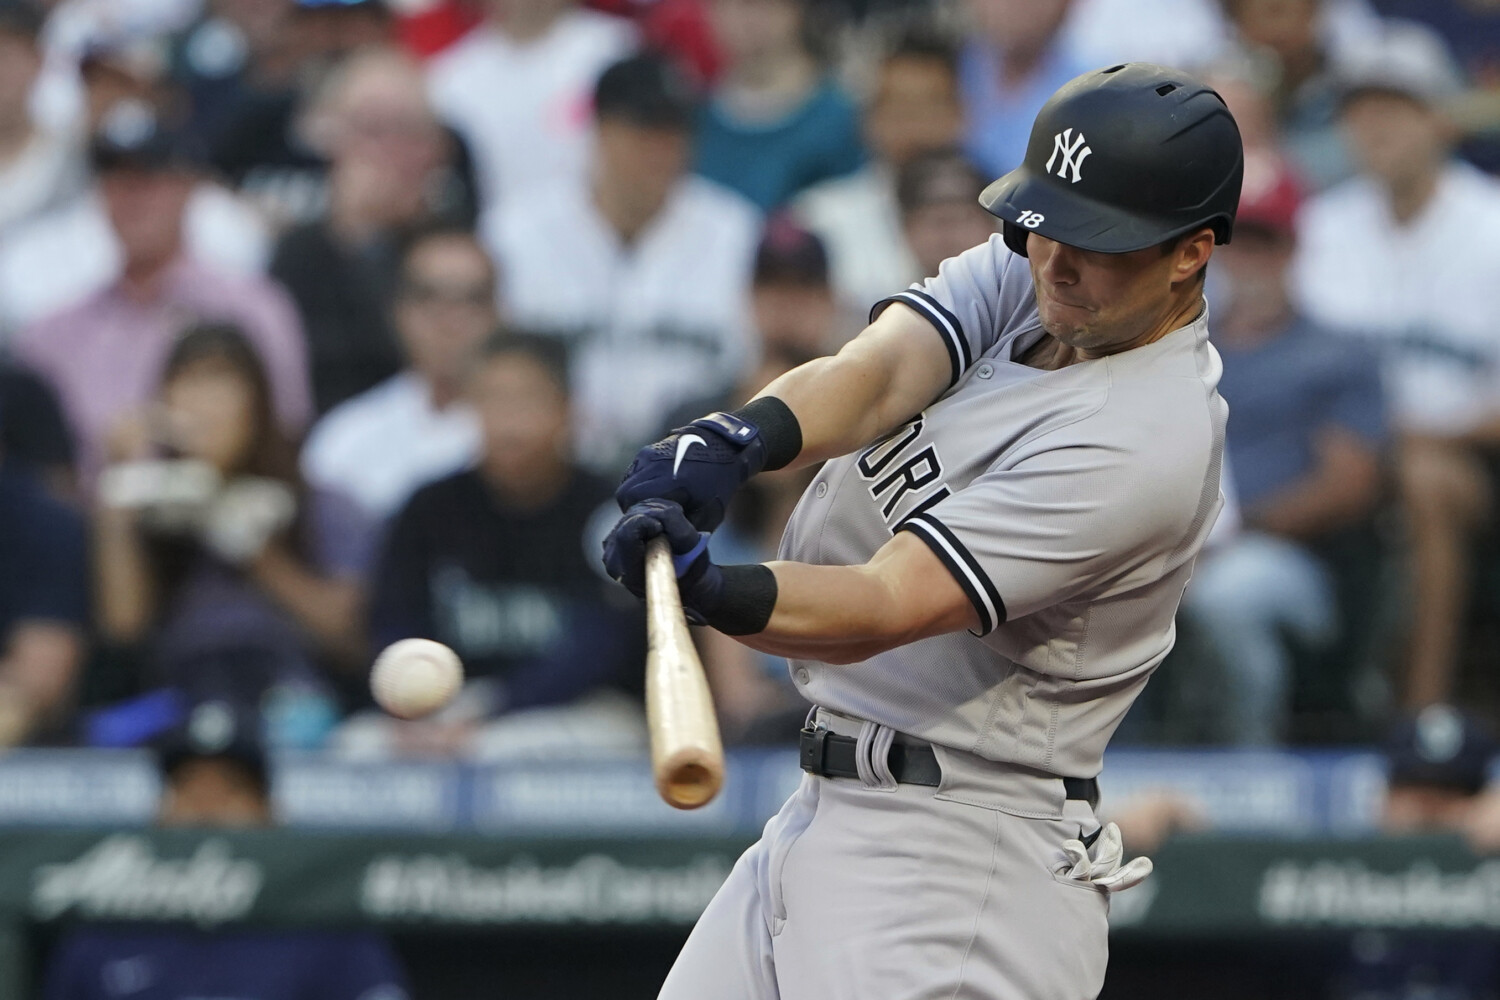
x,y
1015,237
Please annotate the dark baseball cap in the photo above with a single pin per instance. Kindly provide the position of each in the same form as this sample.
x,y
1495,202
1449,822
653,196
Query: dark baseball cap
x,y
132,135
646,90
790,255
1441,747
19,17
216,729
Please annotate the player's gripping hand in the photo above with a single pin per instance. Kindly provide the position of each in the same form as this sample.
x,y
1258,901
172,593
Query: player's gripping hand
x,y
700,582
698,466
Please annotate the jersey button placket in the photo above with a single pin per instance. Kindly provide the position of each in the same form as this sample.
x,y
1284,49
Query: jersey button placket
x,y
821,490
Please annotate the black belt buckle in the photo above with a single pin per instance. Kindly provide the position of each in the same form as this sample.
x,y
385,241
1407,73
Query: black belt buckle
x,y
813,744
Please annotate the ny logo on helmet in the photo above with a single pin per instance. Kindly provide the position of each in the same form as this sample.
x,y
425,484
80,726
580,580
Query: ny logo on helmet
x,y
1072,151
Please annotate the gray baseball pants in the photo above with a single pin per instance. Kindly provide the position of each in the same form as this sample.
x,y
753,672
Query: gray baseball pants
x,y
861,889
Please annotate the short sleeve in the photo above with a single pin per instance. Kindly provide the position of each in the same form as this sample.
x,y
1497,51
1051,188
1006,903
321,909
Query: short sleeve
x,y
981,298
1067,522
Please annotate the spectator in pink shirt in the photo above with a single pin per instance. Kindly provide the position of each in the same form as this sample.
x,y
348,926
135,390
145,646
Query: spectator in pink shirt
x,y
104,355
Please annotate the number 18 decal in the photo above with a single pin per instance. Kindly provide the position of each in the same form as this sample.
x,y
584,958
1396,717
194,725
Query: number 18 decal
x,y
1031,219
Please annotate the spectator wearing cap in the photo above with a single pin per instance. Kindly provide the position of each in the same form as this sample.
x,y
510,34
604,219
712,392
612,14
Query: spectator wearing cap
x,y
43,602
776,122
915,108
1305,446
38,168
1403,256
416,426
214,777
645,272
1438,764
386,152
104,355
60,256
1014,60
938,192
517,90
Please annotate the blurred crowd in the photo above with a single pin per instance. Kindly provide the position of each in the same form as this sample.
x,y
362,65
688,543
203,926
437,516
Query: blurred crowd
x,y
327,323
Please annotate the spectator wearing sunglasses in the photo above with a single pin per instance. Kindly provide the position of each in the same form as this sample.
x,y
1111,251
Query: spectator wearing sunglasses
x,y
414,427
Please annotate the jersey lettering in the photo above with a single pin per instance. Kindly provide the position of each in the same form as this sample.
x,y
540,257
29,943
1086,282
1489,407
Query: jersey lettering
x,y
921,470
878,456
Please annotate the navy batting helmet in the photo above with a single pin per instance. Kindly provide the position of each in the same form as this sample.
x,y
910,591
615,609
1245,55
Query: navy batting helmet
x,y
1121,159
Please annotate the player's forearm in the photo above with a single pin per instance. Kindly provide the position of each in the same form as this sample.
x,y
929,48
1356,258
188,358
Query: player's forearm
x,y
844,614
890,372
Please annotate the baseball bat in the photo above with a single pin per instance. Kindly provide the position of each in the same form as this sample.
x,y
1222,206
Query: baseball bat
x,y
687,757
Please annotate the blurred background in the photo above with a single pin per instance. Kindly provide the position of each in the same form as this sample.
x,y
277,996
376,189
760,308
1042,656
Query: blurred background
x,y
327,323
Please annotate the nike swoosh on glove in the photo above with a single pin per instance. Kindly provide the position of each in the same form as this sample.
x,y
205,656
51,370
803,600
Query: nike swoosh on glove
x,y
698,466
1103,869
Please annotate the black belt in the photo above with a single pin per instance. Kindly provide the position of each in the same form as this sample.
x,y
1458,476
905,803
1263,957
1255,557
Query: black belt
x,y
834,756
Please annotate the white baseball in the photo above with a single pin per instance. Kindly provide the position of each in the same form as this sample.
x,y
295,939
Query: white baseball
x,y
415,677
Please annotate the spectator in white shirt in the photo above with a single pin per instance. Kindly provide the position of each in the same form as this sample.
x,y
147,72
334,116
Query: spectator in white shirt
x,y
517,89
415,427
645,271
915,107
1405,254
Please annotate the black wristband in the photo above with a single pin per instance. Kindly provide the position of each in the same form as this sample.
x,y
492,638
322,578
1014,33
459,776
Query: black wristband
x,y
748,598
779,430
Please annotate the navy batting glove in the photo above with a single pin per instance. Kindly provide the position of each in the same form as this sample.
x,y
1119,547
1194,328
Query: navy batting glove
x,y
698,466
700,582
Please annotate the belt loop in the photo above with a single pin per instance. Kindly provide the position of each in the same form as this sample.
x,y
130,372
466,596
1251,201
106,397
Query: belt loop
x,y
872,755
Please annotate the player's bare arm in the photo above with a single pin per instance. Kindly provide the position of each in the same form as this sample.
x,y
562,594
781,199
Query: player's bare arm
x,y
891,371
844,614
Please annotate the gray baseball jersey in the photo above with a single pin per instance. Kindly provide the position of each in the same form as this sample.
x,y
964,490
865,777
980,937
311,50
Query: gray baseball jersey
x,y
1068,505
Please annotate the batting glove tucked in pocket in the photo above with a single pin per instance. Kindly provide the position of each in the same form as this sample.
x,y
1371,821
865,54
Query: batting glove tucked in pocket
x,y
1103,868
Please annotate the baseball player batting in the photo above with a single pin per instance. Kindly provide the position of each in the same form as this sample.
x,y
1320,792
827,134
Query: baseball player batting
x,y
1023,460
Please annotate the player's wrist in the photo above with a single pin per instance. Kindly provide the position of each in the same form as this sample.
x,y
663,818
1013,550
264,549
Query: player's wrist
x,y
779,432
736,600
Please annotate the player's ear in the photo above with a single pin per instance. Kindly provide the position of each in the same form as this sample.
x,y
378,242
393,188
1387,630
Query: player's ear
x,y
1192,254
